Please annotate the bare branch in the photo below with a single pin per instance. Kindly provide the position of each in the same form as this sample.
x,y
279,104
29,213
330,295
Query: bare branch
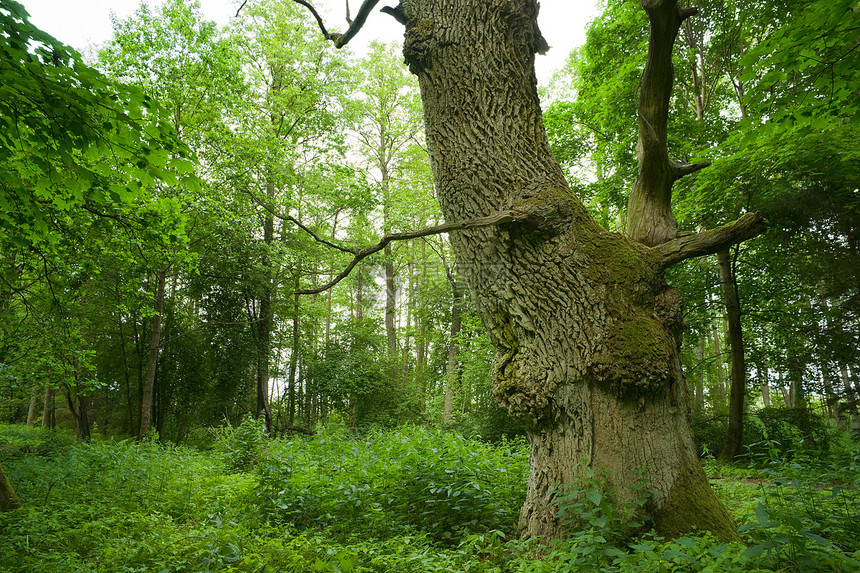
x,y
316,15
688,12
297,223
355,26
340,40
709,242
495,219
395,12
240,8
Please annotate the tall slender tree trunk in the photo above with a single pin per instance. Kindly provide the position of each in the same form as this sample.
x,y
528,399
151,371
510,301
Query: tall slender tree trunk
x,y
33,410
294,355
851,397
152,363
453,368
264,346
737,395
79,407
585,327
719,397
49,412
794,391
831,398
390,289
699,401
406,346
764,383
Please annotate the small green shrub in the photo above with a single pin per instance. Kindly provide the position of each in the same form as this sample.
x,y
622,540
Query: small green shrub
x,y
242,446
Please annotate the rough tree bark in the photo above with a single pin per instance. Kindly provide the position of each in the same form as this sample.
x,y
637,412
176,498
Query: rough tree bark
x,y
585,326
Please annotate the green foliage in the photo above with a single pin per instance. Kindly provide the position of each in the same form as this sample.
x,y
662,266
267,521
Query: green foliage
x,y
438,483
332,502
243,446
596,525
769,433
71,140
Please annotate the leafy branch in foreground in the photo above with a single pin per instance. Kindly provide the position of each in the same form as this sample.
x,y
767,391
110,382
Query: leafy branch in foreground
x,y
70,137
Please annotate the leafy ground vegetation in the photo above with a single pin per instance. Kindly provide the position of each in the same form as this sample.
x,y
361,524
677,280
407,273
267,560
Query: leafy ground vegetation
x,y
409,499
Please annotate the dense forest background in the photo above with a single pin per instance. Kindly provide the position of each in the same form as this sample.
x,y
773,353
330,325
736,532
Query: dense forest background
x,y
179,208
180,305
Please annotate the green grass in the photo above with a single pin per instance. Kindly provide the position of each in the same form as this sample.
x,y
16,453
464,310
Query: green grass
x,y
405,500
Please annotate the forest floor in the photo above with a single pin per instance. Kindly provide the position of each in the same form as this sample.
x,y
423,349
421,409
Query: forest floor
x,y
404,500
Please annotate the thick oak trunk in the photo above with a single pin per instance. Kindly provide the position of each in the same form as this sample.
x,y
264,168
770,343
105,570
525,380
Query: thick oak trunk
x,y
585,328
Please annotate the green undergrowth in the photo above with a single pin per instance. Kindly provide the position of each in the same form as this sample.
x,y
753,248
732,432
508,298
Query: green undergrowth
x,y
406,500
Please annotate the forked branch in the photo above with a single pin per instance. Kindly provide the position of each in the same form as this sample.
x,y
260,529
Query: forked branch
x,y
710,241
341,40
649,211
289,218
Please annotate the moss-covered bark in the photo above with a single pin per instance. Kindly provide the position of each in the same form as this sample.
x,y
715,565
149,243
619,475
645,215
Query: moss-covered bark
x,y
8,498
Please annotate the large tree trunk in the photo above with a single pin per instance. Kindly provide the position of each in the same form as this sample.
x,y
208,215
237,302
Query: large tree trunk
x,y
737,394
585,328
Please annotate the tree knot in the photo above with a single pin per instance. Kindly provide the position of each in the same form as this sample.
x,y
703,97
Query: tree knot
x,y
540,211
635,358
418,43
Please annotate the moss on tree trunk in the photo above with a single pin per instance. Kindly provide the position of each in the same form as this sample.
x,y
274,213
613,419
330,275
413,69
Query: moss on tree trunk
x,y
8,498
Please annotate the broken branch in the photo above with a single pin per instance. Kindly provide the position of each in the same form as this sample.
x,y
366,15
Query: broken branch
x,y
682,169
710,241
